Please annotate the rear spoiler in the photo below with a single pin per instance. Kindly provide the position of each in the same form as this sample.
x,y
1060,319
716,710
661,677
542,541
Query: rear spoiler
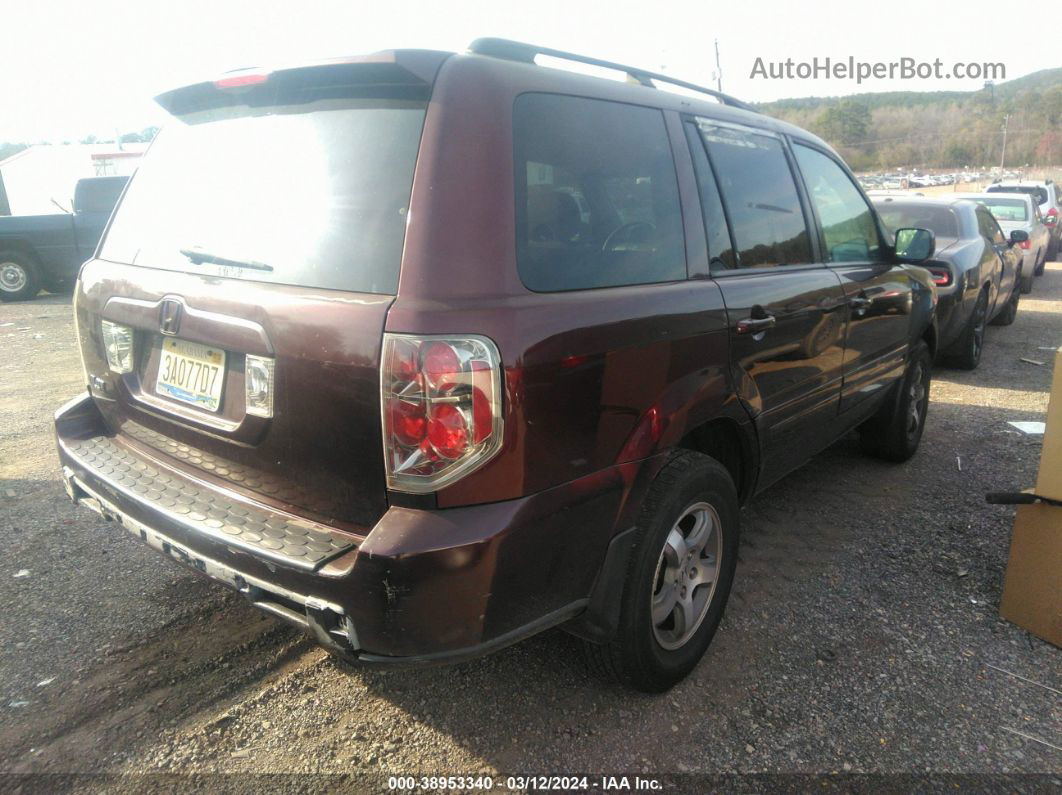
x,y
397,74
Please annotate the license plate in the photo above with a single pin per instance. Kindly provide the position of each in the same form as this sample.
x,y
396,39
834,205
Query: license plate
x,y
191,373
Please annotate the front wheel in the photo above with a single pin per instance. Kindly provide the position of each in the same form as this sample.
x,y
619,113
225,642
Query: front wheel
x,y
895,431
19,278
679,578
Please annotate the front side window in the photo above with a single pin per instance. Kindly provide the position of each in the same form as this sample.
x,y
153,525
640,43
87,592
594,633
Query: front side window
x,y
597,201
848,225
766,219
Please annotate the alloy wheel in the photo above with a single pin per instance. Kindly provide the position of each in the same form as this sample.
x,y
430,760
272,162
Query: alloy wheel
x,y
917,399
980,315
686,575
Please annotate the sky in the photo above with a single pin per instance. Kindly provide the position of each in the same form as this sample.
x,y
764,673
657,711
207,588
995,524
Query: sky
x,y
74,68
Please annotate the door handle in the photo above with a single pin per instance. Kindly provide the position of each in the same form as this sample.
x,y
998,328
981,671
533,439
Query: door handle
x,y
755,325
860,304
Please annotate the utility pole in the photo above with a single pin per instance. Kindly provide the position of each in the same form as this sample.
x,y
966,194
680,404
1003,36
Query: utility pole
x,y
1003,157
718,69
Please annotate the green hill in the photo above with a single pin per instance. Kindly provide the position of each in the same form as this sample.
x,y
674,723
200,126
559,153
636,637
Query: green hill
x,y
939,129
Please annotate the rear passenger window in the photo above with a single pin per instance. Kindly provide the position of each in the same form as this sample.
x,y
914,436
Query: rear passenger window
x,y
720,249
848,225
761,199
597,201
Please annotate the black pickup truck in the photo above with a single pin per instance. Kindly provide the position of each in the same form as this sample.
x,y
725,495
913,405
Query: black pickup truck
x,y
47,250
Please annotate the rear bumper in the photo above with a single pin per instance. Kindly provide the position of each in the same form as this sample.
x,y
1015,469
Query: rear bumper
x,y
422,587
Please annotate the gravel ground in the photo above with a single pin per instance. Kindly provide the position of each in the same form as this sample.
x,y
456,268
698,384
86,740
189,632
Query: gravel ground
x,y
862,635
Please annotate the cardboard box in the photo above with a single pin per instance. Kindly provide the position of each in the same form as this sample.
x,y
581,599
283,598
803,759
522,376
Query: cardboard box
x,y
1032,588
1049,482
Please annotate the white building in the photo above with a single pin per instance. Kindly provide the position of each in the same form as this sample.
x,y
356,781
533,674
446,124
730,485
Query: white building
x,y
37,179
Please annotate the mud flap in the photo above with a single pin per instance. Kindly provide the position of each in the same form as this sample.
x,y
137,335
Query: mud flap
x,y
601,619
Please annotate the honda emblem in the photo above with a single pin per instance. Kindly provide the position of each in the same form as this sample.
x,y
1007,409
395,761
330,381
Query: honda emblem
x,y
170,316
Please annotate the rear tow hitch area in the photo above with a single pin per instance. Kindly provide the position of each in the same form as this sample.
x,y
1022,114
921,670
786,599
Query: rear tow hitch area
x,y
326,622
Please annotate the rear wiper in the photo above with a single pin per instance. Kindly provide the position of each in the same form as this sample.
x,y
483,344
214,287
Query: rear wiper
x,y
198,256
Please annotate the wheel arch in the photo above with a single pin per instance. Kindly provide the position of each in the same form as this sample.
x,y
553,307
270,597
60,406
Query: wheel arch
x,y
22,246
729,443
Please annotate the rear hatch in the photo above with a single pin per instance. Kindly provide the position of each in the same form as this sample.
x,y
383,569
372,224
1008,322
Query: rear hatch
x,y
250,267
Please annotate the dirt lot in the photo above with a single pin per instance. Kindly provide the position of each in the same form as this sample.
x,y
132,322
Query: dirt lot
x,y
862,636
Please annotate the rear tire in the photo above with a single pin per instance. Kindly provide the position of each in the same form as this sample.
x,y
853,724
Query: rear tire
x,y
1041,266
20,278
1009,312
1027,282
895,431
972,341
679,577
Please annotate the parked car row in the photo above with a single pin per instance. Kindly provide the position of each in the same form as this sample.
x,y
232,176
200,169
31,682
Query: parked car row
x,y
506,351
976,268
904,181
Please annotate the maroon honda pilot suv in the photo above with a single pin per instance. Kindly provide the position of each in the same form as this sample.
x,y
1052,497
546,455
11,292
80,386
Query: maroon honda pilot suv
x,y
427,352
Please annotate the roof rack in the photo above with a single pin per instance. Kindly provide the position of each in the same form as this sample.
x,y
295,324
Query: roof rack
x,y
519,51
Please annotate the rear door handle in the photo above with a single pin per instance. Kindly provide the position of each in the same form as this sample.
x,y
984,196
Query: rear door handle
x,y
755,325
860,303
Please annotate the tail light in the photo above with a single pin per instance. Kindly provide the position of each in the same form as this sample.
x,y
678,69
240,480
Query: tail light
x,y
441,408
118,346
258,385
1025,244
941,275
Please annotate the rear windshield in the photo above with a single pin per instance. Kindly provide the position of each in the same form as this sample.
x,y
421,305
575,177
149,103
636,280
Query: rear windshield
x,y
313,193
941,221
1037,192
1006,209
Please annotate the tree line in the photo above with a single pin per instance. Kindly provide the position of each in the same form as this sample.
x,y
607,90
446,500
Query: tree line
x,y
939,129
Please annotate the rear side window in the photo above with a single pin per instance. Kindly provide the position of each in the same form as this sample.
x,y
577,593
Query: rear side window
x,y
720,248
761,198
311,192
597,201
848,225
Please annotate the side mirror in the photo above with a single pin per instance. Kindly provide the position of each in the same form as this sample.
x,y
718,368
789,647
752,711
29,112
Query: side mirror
x,y
1018,236
1050,220
915,245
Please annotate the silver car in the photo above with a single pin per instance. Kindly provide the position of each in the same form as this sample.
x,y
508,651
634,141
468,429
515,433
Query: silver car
x,y
1019,211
